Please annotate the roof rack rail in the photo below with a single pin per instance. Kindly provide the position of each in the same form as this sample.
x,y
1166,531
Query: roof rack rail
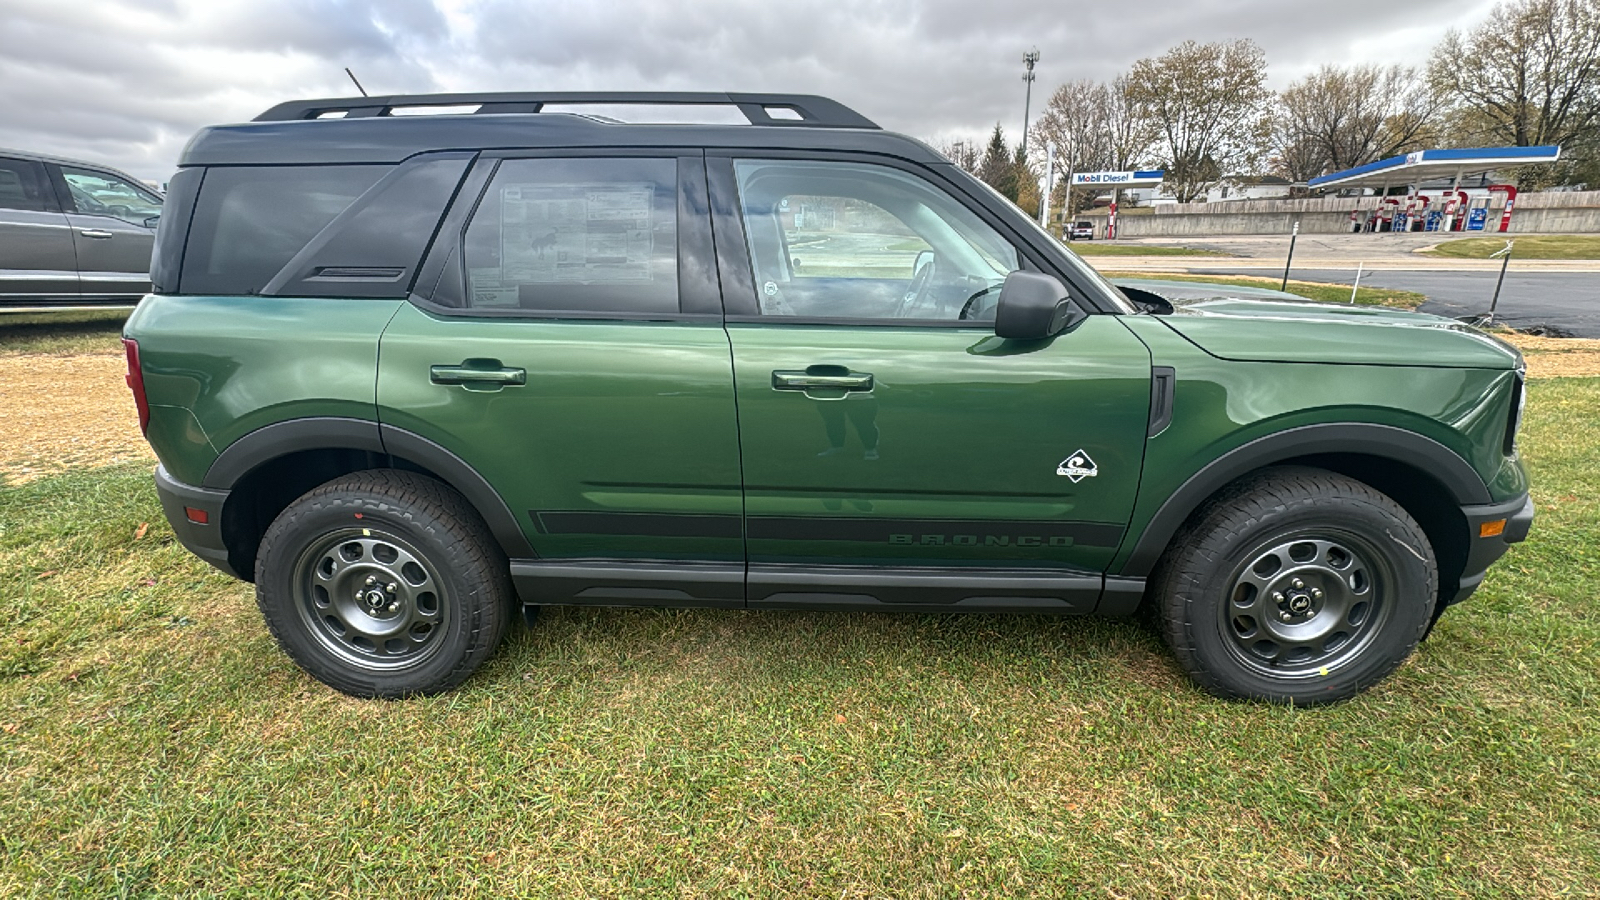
x,y
803,110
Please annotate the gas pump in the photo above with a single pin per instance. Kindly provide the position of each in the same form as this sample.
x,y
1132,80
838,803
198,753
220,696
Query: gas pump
x,y
1388,211
1510,191
1454,209
1416,212
1405,216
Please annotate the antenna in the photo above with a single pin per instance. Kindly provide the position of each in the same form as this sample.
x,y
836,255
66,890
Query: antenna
x,y
358,84
1028,59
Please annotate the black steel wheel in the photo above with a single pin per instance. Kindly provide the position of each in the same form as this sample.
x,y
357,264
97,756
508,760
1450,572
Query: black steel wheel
x,y
1296,585
383,584
371,599
1305,604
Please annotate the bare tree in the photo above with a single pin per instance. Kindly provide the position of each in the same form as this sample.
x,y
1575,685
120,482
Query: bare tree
x,y
1340,117
962,152
1294,155
1530,75
1095,126
1210,103
1130,130
1075,120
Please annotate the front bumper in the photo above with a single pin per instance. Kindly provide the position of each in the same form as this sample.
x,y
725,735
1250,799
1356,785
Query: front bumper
x,y
203,539
1483,549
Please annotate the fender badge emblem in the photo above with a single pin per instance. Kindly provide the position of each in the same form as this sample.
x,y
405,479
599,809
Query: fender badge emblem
x,y
1077,467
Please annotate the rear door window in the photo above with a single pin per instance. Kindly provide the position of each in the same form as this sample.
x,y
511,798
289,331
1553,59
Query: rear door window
x,y
23,186
588,236
250,221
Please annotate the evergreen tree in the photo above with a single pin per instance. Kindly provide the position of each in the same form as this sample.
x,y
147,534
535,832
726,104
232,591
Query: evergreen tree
x,y
998,169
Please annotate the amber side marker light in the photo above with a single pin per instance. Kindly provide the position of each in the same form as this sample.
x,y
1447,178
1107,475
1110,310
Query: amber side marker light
x,y
201,517
1492,529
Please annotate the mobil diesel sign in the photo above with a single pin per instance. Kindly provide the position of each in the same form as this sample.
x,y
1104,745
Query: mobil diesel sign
x,y
1118,179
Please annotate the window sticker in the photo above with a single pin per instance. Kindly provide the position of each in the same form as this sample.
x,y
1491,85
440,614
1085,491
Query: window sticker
x,y
489,291
573,233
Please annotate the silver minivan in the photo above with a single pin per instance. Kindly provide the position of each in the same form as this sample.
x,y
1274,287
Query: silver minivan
x,y
72,234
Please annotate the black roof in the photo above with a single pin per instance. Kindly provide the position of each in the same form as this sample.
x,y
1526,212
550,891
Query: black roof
x,y
367,131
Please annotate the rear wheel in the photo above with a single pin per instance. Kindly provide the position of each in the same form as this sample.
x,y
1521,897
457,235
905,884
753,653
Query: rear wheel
x,y
1296,585
383,584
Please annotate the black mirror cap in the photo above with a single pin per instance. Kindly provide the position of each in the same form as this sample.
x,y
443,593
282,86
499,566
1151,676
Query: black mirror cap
x,y
1033,306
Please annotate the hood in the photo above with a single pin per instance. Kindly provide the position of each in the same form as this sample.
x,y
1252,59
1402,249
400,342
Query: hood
x,y
1255,325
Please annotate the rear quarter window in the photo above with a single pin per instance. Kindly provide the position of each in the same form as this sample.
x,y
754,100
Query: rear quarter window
x,y
250,221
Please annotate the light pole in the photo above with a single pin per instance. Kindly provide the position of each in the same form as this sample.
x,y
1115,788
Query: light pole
x,y
1028,59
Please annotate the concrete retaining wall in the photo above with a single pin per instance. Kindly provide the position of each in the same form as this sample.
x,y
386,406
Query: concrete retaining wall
x,y
1540,213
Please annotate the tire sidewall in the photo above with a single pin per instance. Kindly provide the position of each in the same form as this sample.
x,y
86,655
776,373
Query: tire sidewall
x,y
307,521
1409,599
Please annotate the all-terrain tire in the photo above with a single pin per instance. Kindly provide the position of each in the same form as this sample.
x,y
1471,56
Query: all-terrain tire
x,y
1295,585
384,583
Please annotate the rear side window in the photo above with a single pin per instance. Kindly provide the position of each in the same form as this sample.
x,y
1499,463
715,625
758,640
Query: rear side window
x,y
576,235
22,186
250,221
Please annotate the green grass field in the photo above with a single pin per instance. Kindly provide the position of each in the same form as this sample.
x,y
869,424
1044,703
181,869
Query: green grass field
x,y
1109,248
1531,246
153,741
62,332
1311,290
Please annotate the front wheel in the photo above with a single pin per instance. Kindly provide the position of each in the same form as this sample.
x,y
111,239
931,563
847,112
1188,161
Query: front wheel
x,y
1296,585
383,584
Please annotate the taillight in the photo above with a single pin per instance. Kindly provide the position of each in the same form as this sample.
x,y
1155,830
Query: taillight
x,y
135,381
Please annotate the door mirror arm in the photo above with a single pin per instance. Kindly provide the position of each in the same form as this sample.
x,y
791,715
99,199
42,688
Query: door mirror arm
x,y
1034,306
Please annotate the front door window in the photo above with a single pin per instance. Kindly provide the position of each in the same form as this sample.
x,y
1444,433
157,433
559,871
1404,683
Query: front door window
x,y
101,194
840,241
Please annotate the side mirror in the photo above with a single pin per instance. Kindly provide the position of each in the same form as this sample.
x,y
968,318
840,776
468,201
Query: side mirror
x,y
152,221
1033,306
923,258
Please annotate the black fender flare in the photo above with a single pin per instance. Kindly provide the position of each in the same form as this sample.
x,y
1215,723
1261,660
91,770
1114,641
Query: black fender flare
x,y
1441,463
338,433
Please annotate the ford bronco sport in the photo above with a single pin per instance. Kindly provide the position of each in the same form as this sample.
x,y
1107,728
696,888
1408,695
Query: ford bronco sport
x,y
406,373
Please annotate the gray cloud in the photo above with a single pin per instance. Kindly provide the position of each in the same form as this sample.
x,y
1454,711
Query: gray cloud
x,y
128,82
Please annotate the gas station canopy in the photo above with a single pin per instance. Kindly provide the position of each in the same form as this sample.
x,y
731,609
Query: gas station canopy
x,y
1426,165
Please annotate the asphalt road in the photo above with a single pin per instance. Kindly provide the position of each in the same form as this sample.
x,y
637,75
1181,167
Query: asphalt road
x,y
1569,301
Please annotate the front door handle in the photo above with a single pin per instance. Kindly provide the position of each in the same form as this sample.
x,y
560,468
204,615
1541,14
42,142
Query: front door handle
x,y
836,378
100,233
480,374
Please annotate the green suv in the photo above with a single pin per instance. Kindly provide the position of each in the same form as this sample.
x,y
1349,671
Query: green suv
x,y
408,373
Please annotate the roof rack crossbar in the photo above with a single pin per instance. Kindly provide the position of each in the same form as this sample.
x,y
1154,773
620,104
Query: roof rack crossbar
x,y
804,110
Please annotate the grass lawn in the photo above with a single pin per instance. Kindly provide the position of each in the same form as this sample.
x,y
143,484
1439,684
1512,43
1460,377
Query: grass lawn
x,y
154,741
1529,246
1111,248
1311,290
62,332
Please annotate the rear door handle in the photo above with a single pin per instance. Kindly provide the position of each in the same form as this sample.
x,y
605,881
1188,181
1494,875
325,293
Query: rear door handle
x,y
836,378
100,233
476,373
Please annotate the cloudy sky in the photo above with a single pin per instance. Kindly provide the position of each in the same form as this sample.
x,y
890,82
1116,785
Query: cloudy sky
x,y
126,82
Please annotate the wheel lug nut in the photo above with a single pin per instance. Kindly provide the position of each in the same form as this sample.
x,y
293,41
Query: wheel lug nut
x,y
391,587
1277,596
372,579
1298,584
394,607
1316,593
